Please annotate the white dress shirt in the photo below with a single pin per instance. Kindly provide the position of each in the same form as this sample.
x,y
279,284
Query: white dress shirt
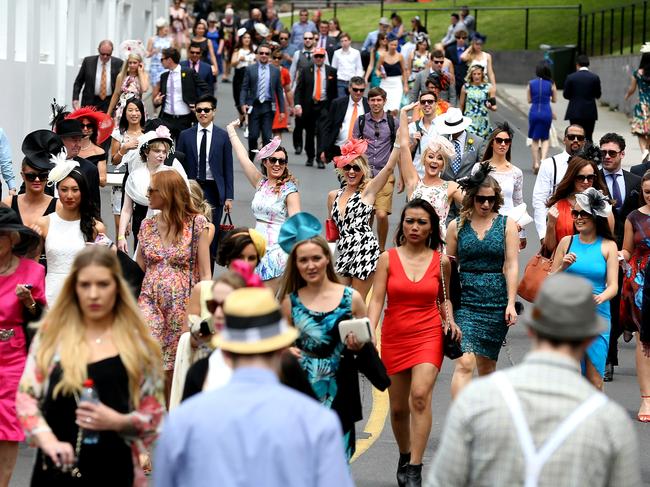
x,y
347,63
345,126
179,106
544,187
208,136
98,77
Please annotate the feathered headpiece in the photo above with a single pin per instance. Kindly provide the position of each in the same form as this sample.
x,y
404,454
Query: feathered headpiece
x,y
58,113
591,153
594,202
62,167
479,173
352,149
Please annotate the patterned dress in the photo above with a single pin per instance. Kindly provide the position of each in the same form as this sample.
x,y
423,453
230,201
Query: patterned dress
x,y
130,88
437,196
484,294
357,247
270,210
634,278
156,67
641,115
167,281
319,338
475,98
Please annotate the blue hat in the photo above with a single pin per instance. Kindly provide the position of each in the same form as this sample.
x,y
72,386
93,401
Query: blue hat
x,y
300,227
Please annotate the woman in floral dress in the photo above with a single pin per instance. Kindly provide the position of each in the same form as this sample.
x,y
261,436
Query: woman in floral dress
x,y
641,118
475,100
155,45
174,255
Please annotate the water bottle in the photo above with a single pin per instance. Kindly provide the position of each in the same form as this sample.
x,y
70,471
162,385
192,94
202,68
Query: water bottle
x,y
89,394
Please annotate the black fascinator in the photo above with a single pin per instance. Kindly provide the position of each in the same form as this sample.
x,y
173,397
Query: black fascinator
x,y
58,113
591,153
477,177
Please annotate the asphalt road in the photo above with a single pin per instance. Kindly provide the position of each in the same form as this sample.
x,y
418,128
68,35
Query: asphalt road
x,y
376,466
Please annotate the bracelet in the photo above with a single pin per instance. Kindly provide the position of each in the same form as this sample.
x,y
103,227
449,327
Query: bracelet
x,y
396,145
121,237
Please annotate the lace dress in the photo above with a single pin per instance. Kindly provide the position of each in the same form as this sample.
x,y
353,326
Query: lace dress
x,y
484,295
437,196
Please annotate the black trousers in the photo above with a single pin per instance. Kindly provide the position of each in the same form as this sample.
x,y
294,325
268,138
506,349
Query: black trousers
x,y
177,123
260,120
211,194
297,133
616,326
312,120
101,105
587,124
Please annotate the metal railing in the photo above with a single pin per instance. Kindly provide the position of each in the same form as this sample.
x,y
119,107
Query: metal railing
x,y
618,29
333,4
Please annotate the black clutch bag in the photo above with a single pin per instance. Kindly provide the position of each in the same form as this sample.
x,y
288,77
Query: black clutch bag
x,y
450,347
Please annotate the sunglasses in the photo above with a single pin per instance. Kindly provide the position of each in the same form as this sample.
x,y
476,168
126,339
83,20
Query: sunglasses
x,y
482,199
31,176
575,214
213,304
284,38
275,160
574,137
611,153
428,101
195,53
276,58
419,221
350,167
439,62
358,90
307,38
87,125
589,178
316,56
501,141
264,53
203,110
460,37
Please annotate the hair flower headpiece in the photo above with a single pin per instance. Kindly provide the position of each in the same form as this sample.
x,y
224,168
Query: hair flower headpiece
x,y
594,202
352,149
62,167
476,178
247,271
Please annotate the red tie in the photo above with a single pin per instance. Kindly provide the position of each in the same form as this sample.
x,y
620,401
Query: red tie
x,y
318,85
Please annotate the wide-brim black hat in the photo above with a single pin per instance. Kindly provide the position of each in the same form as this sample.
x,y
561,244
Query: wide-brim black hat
x,y
69,127
29,239
39,146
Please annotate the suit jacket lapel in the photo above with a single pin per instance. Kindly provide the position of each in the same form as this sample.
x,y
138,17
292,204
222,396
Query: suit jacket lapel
x,y
213,144
195,151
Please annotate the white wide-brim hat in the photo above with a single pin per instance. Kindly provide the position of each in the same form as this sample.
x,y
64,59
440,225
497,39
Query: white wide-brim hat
x,y
451,122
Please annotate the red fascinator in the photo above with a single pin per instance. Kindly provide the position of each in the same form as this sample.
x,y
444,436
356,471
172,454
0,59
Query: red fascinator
x,y
352,149
102,121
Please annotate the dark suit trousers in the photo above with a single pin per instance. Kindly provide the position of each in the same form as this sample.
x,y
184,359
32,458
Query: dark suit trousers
x,y
177,123
101,105
587,124
297,133
260,120
211,194
312,121
616,329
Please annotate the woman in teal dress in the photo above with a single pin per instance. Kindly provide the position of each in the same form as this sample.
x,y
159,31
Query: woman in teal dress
x,y
592,254
641,116
381,47
476,98
485,245
315,303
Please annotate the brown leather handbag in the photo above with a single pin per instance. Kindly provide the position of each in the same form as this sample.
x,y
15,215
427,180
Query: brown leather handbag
x,y
537,269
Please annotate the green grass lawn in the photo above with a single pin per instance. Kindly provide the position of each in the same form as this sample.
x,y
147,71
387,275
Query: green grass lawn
x,y
505,29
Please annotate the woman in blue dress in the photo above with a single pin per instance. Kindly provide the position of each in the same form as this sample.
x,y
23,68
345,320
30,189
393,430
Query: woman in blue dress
x,y
541,93
315,302
592,254
486,246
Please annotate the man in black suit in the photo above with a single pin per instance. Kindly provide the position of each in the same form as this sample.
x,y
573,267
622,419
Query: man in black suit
x,y
203,69
582,89
259,91
177,92
624,187
315,90
453,52
640,169
208,160
327,42
97,77
339,122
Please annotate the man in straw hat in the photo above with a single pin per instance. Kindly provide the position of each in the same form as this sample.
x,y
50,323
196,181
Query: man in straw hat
x,y
252,431
540,422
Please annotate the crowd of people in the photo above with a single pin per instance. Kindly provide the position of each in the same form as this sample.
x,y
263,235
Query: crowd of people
x,y
101,336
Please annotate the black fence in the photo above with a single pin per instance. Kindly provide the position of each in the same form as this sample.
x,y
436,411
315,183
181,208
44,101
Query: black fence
x,y
333,4
614,30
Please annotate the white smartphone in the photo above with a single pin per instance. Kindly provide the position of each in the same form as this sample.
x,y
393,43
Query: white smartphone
x,y
359,326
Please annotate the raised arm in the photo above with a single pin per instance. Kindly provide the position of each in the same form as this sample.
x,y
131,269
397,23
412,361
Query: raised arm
x,y
406,167
379,181
252,173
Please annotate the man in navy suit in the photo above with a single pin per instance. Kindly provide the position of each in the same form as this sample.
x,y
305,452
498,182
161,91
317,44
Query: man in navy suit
x,y
259,93
582,89
208,160
453,52
203,69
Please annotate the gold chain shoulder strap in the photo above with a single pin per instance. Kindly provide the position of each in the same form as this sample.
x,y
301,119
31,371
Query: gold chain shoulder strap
x,y
444,290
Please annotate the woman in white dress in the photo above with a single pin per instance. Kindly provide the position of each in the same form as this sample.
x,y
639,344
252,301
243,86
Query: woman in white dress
x,y
69,228
392,70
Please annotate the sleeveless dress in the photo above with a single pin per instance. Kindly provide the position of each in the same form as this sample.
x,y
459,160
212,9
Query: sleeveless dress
x,y
112,385
63,242
285,80
437,196
155,66
540,115
475,98
358,248
564,225
270,210
322,346
634,275
641,114
374,79
246,58
392,85
419,62
168,279
484,294
411,332
511,182
592,265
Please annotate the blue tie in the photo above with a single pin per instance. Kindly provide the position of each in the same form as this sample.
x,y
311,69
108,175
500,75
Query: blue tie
x,y
455,164
262,87
616,191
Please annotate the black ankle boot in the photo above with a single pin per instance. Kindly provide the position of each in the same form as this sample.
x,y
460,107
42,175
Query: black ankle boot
x,y
413,475
404,459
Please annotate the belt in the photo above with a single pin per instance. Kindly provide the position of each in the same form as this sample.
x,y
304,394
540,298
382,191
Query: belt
x,y
6,334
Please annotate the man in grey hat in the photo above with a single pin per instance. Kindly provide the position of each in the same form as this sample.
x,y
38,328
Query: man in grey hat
x,y
371,38
541,422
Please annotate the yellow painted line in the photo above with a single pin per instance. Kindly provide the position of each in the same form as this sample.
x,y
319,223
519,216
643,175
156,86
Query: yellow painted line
x,y
378,412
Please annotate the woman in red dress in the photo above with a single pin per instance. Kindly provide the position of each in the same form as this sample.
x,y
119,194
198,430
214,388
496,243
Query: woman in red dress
x,y
280,126
412,330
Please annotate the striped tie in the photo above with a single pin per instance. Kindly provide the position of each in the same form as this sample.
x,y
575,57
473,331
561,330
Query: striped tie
x,y
262,87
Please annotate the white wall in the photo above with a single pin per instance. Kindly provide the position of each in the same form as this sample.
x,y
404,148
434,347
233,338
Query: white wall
x,y
42,43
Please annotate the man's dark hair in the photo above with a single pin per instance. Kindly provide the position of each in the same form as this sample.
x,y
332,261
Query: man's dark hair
x,y
613,138
172,53
196,45
357,80
566,130
266,45
376,91
456,16
209,99
582,60
303,11
437,53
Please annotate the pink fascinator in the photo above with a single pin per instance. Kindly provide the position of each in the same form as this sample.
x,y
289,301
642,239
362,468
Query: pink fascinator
x,y
268,149
247,272
352,149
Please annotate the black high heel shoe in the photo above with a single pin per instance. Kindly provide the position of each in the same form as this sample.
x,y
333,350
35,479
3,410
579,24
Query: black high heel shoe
x,y
402,464
413,475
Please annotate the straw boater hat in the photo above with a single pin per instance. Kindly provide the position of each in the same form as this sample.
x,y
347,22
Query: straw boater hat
x,y
451,122
254,323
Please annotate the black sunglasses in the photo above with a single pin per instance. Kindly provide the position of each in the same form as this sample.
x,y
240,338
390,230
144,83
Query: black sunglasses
x,y
87,125
611,153
428,101
575,214
574,137
350,167
439,62
501,141
31,176
203,110
277,58
482,199
319,55
213,304
264,53
275,160
358,90
460,37
585,178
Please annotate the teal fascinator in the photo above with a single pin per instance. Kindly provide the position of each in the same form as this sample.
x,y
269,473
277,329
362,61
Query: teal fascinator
x,y
300,227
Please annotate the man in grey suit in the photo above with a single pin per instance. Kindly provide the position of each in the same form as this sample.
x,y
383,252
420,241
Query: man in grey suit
x,y
258,97
436,61
469,147
97,77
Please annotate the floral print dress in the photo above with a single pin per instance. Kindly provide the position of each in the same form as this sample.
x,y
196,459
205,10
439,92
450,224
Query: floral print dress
x,y
168,281
634,276
439,199
641,115
475,98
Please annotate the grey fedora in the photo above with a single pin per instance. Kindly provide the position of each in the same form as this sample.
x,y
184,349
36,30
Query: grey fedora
x,y
565,309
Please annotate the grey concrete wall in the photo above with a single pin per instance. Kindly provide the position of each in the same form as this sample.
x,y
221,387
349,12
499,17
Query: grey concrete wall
x,y
615,76
515,67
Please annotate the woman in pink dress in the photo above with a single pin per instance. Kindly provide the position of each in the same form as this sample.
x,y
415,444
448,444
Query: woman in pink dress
x,y
22,287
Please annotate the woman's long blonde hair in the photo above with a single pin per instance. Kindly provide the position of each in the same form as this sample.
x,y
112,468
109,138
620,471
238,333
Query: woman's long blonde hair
x,y
177,204
125,65
199,201
362,162
63,331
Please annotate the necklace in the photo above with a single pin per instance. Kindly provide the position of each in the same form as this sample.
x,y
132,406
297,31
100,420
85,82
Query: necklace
x,y
8,266
87,145
99,339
